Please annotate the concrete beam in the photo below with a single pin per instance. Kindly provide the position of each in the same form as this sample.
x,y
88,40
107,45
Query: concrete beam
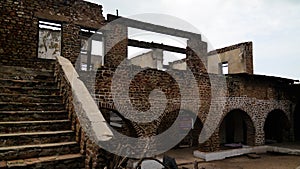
x,y
152,45
152,27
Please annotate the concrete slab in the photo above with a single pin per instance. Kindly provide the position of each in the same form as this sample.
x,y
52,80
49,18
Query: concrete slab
x,y
220,155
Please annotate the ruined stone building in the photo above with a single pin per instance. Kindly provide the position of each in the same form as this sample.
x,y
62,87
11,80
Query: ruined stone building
x,y
44,104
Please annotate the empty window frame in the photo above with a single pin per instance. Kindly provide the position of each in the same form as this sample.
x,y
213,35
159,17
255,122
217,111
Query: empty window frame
x,y
224,68
49,41
92,49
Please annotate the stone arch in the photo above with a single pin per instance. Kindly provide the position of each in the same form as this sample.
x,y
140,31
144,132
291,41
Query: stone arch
x,y
237,127
277,127
194,126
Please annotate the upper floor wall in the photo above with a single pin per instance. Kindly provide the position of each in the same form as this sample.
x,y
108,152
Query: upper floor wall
x,y
228,60
260,87
20,25
237,59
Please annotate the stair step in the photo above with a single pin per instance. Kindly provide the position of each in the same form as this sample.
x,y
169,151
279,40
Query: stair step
x,y
36,63
68,161
31,106
34,126
27,83
21,73
32,115
25,98
49,90
18,139
38,150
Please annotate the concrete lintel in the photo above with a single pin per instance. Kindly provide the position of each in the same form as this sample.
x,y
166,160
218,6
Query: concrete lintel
x,y
148,45
152,27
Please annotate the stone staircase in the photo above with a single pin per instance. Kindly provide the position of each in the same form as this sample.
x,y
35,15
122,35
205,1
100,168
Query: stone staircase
x,y
34,128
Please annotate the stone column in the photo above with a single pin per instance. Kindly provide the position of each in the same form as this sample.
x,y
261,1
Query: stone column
x,y
196,58
158,58
248,55
70,42
116,42
212,144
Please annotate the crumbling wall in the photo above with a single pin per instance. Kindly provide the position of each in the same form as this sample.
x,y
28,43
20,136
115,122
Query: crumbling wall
x,y
239,58
254,94
152,59
179,65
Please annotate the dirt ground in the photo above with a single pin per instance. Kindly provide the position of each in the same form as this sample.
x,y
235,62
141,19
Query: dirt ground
x,y
266,161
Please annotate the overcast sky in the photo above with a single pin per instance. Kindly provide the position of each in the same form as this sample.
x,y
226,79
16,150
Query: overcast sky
x,y
272,25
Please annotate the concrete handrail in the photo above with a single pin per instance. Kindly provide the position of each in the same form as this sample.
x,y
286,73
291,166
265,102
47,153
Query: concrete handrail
x,y
87,111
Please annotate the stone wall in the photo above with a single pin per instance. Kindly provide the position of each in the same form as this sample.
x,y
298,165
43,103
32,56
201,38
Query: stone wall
x,y
20,19
140,87
259,86
254,94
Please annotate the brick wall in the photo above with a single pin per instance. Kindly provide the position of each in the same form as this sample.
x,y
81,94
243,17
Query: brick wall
x,y
19,25
259,87
255,95
116,41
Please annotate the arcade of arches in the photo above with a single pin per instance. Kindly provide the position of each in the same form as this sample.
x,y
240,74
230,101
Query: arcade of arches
x,y
236,128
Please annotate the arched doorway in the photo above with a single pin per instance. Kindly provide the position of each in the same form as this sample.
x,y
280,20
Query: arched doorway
x,y
191,139
276,127
237,129
118,122
189,121
188,126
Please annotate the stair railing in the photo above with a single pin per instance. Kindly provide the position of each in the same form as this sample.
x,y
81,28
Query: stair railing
x,y
87,120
